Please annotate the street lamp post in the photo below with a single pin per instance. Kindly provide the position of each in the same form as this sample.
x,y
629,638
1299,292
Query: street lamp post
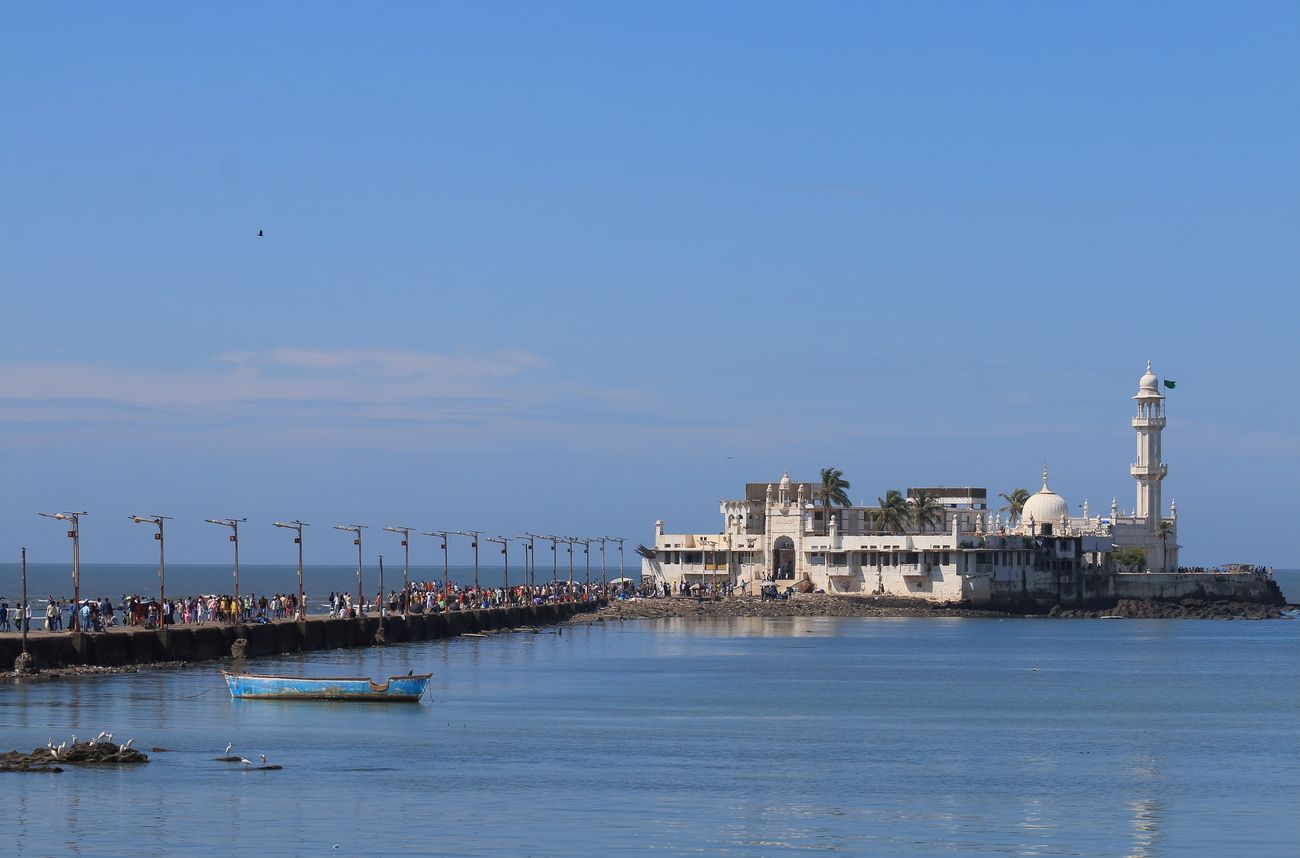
x,y
75,535
620,541
297,526
157,521
446,565
602,540
24,662
473,535
406,566
233,524
504,542
586,558
555,560
530,558
571,541
704,557
356,529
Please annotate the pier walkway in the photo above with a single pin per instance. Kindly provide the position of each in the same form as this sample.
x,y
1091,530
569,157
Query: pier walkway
x,y
132,645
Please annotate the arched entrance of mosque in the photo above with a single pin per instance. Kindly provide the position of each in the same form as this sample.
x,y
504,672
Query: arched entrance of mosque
x,y
783,559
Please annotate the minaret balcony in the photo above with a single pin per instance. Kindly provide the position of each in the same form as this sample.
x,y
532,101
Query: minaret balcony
x,y
1149,472
1148,422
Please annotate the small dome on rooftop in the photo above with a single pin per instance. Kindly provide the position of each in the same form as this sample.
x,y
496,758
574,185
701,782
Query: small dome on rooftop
x,y
1046,507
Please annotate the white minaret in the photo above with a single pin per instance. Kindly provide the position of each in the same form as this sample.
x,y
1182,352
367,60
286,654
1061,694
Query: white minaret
x,y
1148,470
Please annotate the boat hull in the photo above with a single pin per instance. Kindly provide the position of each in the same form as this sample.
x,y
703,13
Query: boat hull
x,y
397,689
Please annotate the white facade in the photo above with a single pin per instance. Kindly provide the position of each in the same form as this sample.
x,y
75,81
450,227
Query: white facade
x,y
776,534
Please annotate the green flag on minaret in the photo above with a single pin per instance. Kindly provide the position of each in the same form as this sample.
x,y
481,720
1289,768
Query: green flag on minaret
x,y
1170,384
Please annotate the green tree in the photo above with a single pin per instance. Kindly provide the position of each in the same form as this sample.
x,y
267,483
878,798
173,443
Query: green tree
x,y
1015,502
892,515
833,491
924,510
1130,559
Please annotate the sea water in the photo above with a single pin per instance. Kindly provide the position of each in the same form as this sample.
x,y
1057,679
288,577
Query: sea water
x,y
745,737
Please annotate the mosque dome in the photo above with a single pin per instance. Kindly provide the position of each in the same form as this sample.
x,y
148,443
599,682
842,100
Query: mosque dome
x,y
785,480
1148,383
1046,507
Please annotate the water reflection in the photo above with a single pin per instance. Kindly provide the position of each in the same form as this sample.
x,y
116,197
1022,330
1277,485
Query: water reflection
x,y
865,737
1146,828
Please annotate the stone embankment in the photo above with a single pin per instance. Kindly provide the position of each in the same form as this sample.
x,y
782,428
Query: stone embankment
x,y
1187,609
133,648
819,605
799,605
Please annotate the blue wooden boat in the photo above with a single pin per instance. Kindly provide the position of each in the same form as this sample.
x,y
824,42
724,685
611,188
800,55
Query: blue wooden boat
x,y
249,686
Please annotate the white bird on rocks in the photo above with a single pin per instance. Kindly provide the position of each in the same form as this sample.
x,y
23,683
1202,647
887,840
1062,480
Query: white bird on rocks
x,y
125,747
59,750
247,763
101,738
262,757
49,743
74,739
229,745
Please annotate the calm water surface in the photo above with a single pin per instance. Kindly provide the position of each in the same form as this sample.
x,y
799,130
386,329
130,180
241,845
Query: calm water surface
x,y
745,737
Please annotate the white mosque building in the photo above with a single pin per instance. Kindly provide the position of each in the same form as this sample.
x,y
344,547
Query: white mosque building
x,y
775,534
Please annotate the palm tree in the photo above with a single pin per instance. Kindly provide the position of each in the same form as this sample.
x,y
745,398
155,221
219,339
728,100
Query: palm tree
x,y
1015,502
924,510
1163,529
892,515
832,491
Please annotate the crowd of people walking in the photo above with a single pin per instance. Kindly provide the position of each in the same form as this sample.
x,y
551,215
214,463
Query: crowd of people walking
x,y
143,611
431,596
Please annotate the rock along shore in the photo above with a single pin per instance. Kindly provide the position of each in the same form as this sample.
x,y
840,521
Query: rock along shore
x,y
820,605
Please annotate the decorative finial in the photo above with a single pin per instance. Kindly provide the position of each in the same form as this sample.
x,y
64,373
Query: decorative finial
x,y
1148,366
1045,477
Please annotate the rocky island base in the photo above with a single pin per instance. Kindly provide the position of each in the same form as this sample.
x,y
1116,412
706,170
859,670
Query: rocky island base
x,y
821,605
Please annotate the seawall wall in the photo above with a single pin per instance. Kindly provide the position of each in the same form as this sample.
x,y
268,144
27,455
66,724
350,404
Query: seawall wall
x,y
126,647
1093,590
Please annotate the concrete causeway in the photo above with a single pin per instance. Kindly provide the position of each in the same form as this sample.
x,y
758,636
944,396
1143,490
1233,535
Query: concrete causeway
x,y
130,646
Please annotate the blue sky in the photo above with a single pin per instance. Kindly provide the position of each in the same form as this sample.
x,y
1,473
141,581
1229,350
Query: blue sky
x,y
573,267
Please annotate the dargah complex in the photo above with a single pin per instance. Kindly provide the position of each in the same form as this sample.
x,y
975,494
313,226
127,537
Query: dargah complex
x,y
951,545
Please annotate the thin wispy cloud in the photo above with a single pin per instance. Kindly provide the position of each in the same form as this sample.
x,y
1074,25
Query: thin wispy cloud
x,y
284,375
389,363
377,398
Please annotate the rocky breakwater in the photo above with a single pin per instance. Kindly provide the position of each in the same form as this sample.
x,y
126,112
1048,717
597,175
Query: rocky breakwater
x,y
1184,609
821,605
799,605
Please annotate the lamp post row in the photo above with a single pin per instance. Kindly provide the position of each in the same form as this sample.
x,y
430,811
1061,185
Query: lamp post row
x,y
528,540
